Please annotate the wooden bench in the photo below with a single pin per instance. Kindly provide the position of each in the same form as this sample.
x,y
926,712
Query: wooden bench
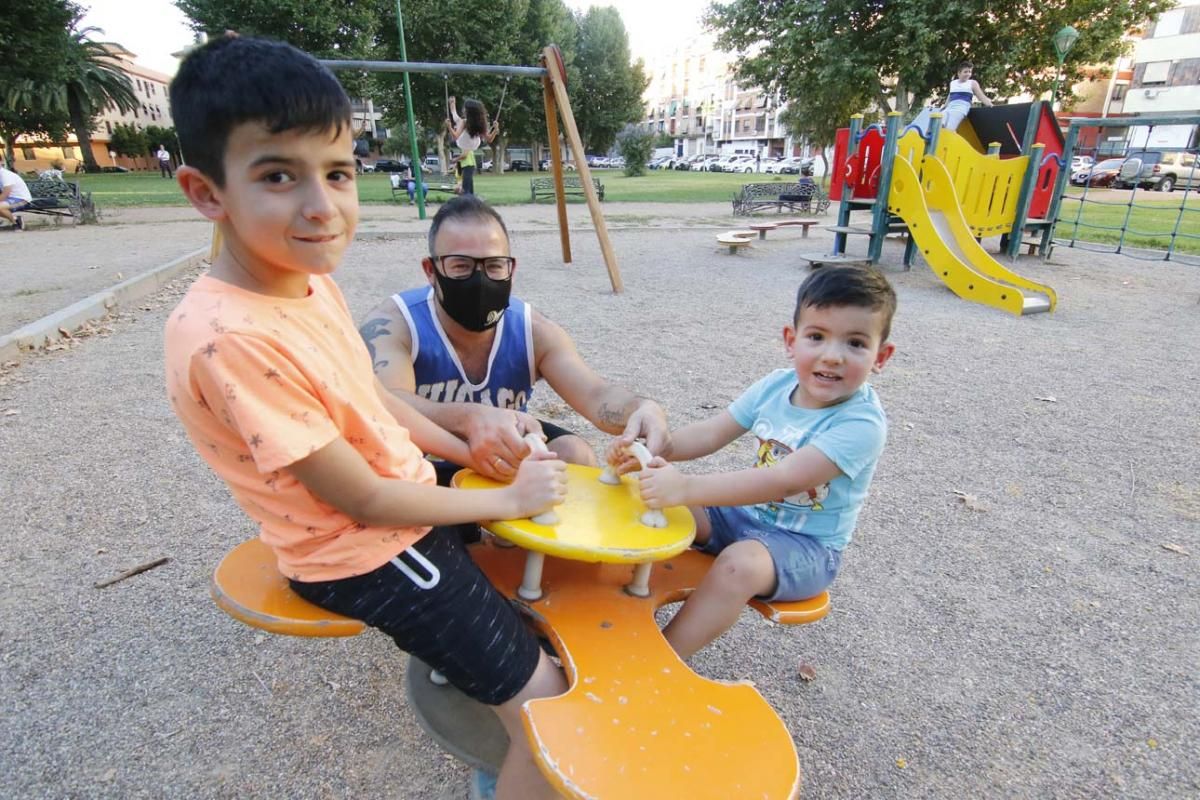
x,y
735,240
803,224
443,185
804,198
60,199
572,187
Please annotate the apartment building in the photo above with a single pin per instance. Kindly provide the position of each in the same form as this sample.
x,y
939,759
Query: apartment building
x,y
154,108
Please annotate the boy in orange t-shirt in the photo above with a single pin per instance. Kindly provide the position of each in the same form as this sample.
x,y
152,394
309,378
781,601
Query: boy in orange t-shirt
x,y
269,377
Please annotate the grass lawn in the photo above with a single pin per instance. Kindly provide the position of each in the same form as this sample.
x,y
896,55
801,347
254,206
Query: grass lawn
x,y
148,189
1150,222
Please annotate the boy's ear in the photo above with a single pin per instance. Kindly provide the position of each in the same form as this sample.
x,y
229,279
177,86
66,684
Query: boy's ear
x,y
789,339
201,192
886,351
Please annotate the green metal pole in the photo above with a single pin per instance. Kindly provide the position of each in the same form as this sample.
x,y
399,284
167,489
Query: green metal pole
x,y
844,207
415,164
880,218
1057,78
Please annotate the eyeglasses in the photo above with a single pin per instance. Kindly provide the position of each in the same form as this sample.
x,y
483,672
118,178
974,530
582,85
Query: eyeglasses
x,y
459,268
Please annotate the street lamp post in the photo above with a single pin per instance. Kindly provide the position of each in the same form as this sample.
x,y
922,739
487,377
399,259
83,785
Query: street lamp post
x,y
1064,40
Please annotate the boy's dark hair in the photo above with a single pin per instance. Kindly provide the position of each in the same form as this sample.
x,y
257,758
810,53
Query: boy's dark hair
x,y
963,65
464,206
476,117
236,79
864,287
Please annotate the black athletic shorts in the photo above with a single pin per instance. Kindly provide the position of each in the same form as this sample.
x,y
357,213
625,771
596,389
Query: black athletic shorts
x,y
437,604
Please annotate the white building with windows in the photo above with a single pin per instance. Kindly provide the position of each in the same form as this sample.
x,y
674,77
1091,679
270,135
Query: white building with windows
x,y
1166,76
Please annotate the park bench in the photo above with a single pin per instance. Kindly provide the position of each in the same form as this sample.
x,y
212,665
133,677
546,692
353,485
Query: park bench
x,y
59,198
803,224
544,187
443,184
804,198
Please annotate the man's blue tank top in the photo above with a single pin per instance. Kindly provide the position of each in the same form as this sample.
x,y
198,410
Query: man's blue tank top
x,y
440,375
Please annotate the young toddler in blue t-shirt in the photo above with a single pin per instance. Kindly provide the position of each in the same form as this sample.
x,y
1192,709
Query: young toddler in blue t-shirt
x,y
779,528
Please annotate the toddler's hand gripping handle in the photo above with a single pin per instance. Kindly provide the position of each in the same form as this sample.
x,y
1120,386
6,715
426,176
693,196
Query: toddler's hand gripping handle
x,y
652,518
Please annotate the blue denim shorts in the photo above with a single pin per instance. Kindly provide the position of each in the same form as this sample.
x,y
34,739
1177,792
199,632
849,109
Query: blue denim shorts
x,y
803,566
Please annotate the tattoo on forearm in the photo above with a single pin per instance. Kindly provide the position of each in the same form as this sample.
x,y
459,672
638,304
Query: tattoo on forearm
x,y
370,331
608,415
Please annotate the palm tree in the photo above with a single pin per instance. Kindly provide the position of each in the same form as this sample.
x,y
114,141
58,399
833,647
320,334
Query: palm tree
x,y
92,80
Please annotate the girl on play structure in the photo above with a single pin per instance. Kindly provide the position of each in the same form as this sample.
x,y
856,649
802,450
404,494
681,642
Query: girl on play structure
x,y
468,133
963,89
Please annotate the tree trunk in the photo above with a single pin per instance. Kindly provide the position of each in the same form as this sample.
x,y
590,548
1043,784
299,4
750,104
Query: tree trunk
x,y
501,148
83,132
881,97
10,154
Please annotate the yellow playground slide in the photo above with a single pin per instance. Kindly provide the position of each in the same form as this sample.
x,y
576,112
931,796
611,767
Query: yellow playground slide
x,y
930,208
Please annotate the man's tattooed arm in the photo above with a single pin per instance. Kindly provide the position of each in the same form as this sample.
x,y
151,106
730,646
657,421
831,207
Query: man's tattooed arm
x,y
370,331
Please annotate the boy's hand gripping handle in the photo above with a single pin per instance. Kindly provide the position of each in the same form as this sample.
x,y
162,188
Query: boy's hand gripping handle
x,y
652,518
538,446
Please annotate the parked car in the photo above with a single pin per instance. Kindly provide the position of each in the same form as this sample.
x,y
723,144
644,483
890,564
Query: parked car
x,y
431,164
1159,170
705,163
781,166
1100,174
733,164
520,165
1081,162
388,165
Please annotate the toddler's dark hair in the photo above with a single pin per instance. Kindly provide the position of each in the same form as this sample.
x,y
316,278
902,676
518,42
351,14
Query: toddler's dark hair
x,y
863,287
236,79
963,65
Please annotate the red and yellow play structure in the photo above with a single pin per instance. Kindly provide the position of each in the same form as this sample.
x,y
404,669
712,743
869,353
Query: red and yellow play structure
x,y
947,192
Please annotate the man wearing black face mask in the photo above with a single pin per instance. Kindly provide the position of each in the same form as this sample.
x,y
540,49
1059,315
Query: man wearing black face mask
x,y
467,354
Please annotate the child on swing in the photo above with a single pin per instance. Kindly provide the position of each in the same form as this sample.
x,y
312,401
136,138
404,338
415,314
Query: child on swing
x,y
469,131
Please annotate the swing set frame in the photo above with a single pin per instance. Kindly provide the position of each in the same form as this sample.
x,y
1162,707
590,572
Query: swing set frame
x,y
554,95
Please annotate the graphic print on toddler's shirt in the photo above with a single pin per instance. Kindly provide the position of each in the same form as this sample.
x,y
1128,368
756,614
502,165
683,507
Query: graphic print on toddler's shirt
x,y
770,453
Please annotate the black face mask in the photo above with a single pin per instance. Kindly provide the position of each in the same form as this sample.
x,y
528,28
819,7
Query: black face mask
x,y
478,302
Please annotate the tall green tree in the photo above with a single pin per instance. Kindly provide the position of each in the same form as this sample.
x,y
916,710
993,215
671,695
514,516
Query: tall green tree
x,y
36,45
469,32
828,56
609,93
524,119
335,29
156,135
128,141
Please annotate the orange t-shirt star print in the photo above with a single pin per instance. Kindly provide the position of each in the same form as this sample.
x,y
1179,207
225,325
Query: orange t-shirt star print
x,y
260,383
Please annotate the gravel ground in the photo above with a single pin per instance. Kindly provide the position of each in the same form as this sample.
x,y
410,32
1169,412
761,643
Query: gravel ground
x,y
48,267
1035,640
